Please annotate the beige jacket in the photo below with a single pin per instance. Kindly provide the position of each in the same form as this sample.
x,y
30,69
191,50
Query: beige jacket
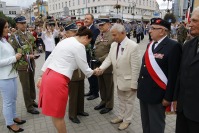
x,y
126,68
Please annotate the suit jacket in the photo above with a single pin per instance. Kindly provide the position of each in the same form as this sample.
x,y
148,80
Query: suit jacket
x,y
126,68
187,86
148,90
95,32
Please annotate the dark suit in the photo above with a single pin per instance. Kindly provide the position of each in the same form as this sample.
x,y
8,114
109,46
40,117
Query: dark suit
x,y
150,94
187,89
93,79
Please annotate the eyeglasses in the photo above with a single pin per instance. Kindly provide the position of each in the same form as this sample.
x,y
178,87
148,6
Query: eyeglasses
x,y
153,28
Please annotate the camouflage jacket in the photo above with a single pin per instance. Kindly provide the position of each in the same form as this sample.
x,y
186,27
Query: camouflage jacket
x,y
25,44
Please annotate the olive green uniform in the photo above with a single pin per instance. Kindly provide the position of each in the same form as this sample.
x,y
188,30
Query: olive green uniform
x,y
76,94
102,47
181,34
25,70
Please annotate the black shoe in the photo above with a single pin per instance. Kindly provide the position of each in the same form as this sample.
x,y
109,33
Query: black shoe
x,y
83,114
92,97
88,94
15,131
74,120
105,110
35,104
98,107
20,122
33,111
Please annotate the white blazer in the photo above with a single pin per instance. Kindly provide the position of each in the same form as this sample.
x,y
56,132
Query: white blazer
x,y
127,67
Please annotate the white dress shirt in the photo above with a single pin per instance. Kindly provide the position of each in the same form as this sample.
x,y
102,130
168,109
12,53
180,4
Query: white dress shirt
x,y
49,41
121,48
7,58
159,42
67,56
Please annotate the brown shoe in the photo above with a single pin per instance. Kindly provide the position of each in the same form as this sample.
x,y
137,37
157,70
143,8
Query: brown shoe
x,y
123,125
116,120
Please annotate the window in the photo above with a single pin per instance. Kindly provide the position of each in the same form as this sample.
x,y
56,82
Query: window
x,y
95,9
62,4
59,6
65,3
78,2
69,4
1,6
10,12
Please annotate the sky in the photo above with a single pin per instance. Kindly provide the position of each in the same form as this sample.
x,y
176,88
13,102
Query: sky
x,y
26,3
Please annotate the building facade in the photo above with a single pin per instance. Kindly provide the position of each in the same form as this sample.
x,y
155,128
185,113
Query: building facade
x,y
9,11
129,9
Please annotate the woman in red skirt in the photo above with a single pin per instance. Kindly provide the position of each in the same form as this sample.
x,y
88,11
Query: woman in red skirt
x,y
67,56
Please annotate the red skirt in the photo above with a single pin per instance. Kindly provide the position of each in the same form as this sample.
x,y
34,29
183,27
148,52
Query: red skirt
x,y
53,95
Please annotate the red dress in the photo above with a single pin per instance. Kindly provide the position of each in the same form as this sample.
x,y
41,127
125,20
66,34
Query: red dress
x,y
53,95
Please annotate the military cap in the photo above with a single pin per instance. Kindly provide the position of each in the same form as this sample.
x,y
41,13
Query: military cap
x,y
20,19
159,21
71,26
103,21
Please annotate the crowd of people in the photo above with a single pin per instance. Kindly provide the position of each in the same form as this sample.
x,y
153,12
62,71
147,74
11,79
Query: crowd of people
x,y
165,78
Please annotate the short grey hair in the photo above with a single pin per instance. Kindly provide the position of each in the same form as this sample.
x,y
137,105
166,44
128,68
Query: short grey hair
x,y
118,27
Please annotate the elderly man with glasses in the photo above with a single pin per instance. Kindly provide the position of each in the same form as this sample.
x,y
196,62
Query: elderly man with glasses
x,y
156,82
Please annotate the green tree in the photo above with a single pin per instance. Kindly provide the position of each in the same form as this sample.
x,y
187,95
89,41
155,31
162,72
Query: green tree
x,y
170,17
9,19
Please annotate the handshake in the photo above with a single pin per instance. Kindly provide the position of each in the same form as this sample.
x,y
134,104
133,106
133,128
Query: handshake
x,y
98,71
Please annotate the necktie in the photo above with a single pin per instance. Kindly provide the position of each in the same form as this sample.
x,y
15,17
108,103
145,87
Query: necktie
x,y
153,46
198,46
118,46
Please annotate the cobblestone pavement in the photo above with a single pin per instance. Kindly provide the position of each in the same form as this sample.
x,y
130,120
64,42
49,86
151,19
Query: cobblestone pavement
x,y
94,123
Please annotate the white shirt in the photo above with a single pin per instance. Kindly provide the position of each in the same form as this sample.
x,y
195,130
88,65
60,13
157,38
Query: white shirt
x,y
121,48
67,56
7,58
49,41
159,42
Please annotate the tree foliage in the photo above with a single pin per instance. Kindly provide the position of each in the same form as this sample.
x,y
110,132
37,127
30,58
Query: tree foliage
x,y
170,17
9,19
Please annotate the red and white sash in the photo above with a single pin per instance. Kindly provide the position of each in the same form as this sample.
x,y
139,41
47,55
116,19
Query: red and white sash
x,y
154,69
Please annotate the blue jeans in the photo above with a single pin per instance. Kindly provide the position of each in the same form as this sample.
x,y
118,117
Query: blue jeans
x,y
8,89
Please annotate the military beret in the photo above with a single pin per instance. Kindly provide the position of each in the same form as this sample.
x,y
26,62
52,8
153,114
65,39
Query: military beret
x,y
20,19
103,21
159,21
72,27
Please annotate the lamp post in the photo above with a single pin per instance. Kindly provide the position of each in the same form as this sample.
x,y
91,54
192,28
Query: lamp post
x,y
168,4
133,6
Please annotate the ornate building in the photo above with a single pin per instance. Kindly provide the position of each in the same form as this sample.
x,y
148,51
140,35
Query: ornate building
x,y
128,9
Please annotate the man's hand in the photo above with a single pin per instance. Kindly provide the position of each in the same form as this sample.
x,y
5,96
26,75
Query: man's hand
x,y
18,56
39,83
165,103
98,72
175,106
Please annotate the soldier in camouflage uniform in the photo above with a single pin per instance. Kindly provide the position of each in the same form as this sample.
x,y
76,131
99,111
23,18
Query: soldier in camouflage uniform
x,y
102,47
181,33
23,42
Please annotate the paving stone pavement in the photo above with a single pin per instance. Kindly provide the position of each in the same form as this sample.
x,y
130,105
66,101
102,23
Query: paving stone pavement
x,y
94,123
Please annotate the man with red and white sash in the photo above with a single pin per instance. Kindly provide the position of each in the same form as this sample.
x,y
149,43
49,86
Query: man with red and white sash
x,y
156,83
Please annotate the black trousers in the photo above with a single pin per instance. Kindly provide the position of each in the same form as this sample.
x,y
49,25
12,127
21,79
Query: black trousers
x,y
153,117
138,38
47,53
185,125
93,81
